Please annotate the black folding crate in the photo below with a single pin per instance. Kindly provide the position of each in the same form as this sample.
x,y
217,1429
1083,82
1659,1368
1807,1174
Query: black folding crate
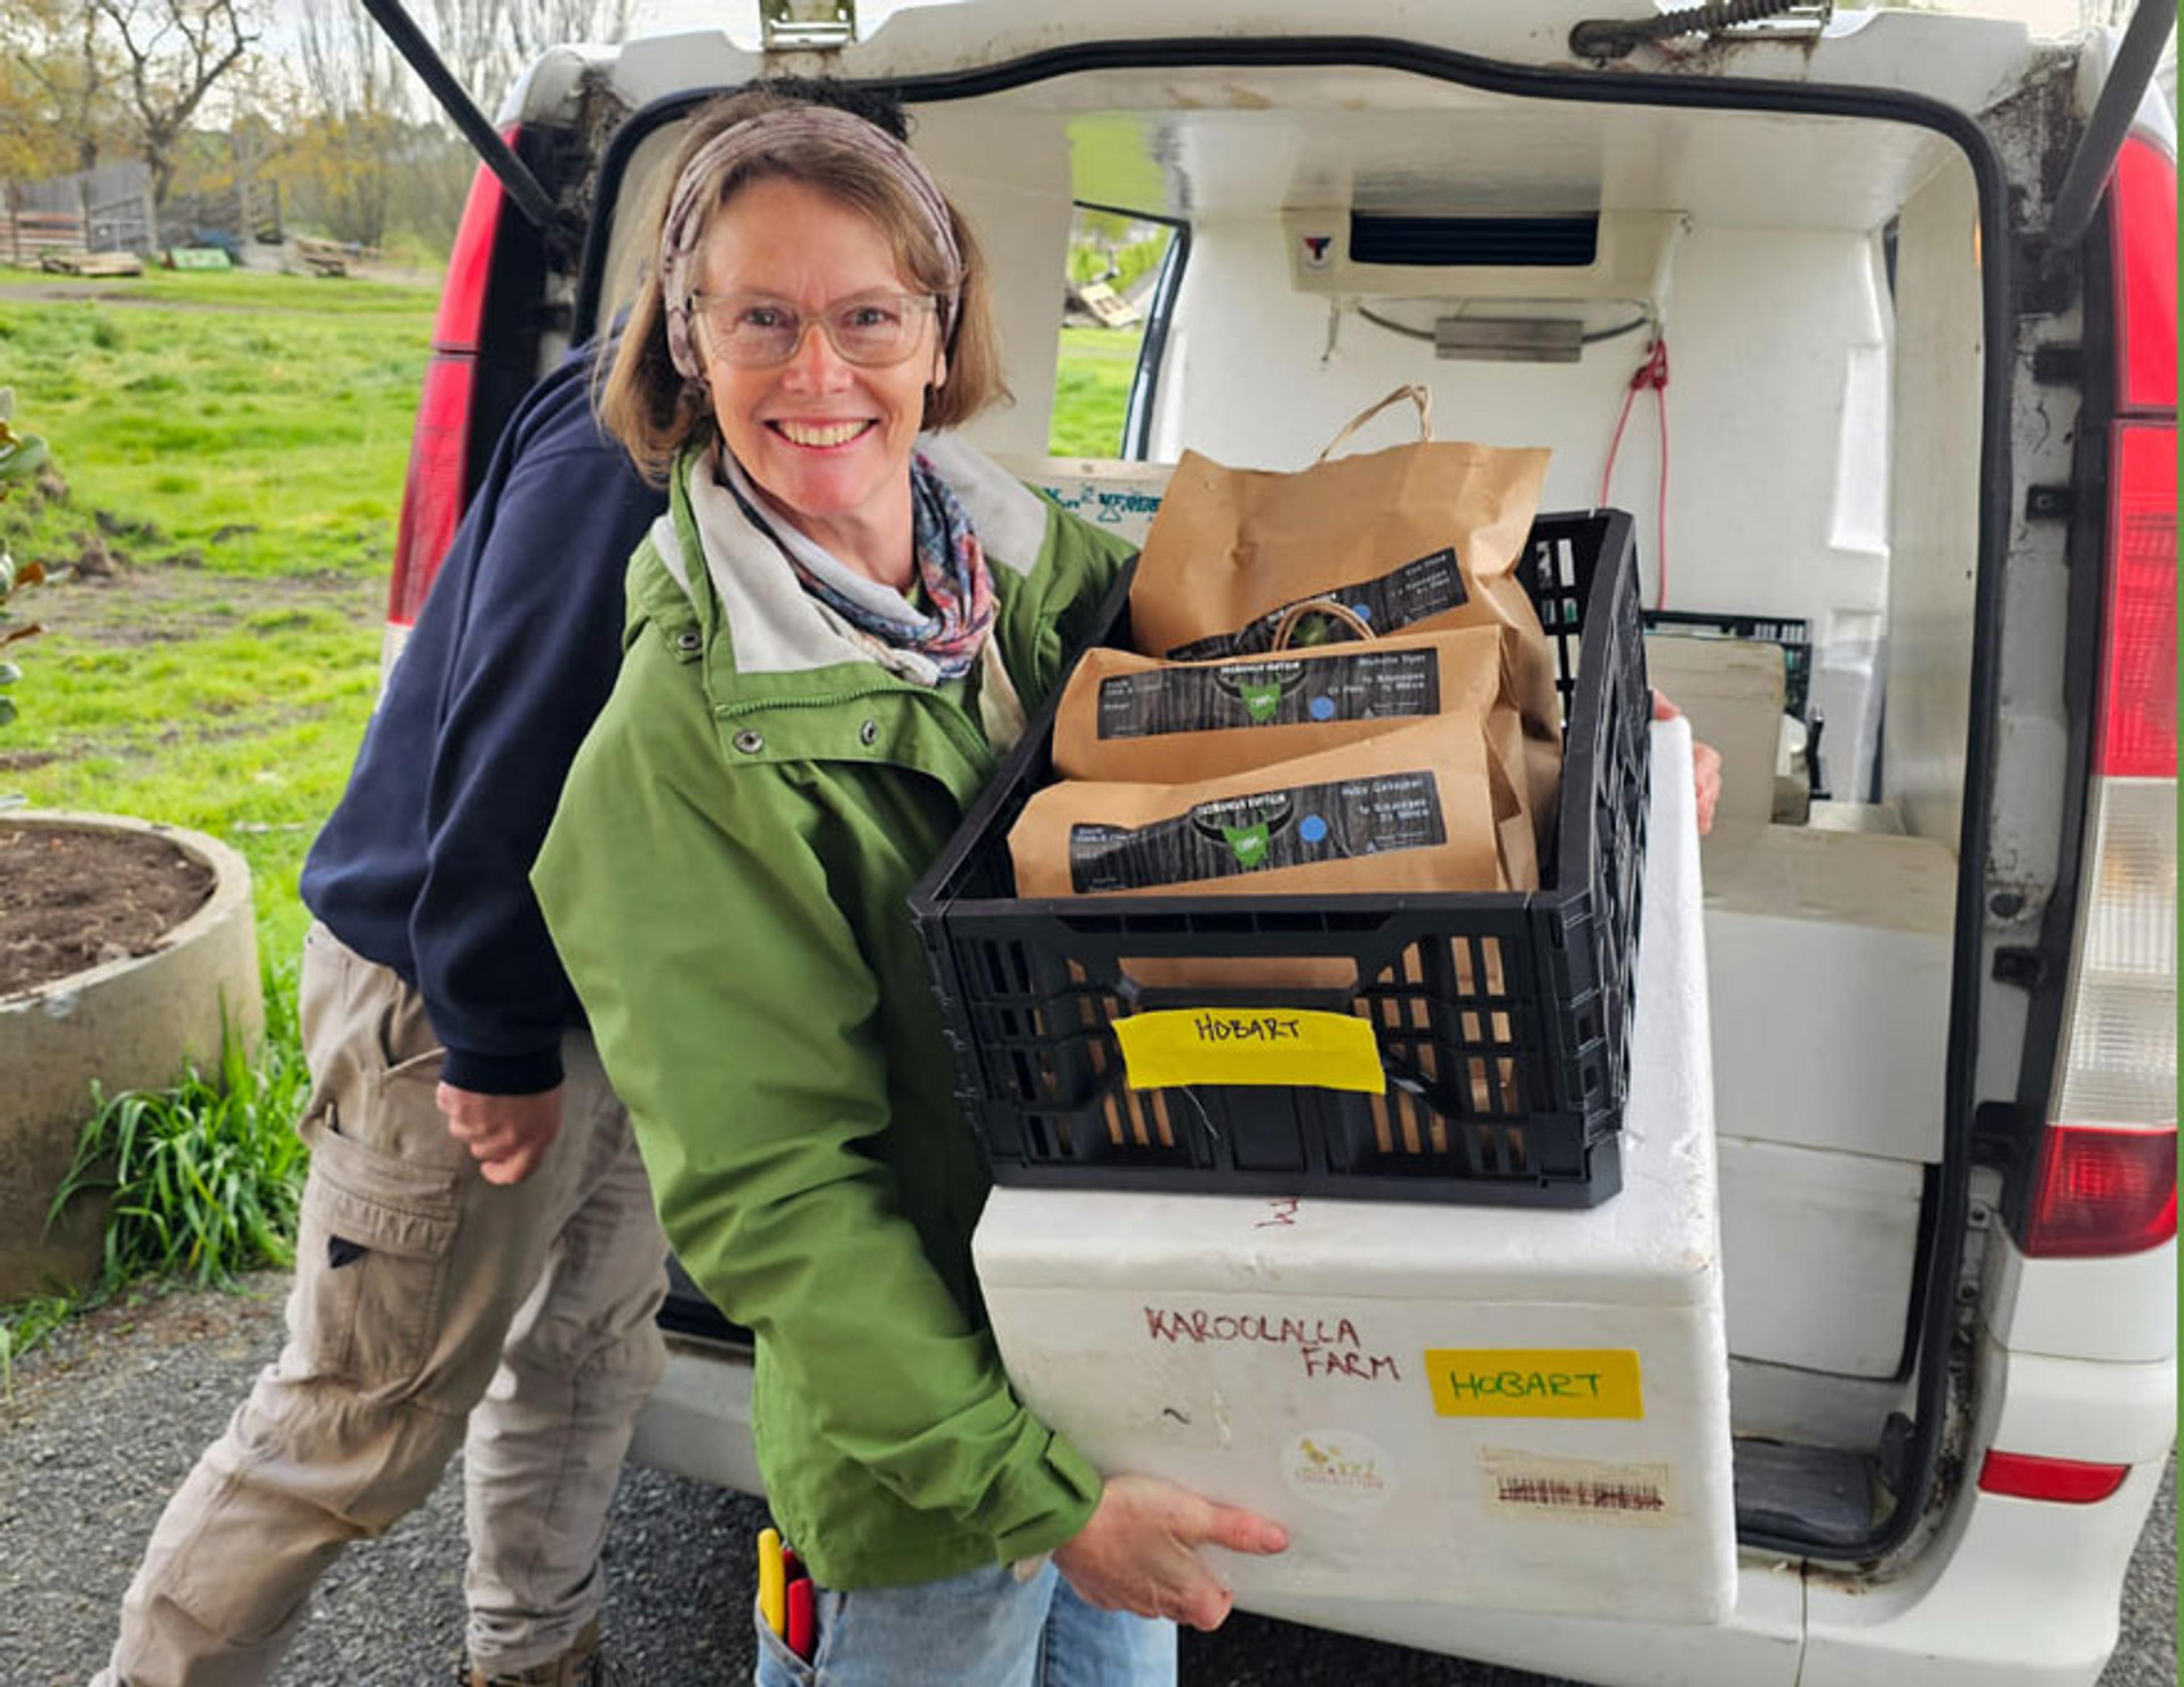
x,y
1795,636
1500,1020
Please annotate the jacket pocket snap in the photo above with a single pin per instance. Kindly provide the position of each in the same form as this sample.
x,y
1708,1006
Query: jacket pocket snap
x,y
373,1250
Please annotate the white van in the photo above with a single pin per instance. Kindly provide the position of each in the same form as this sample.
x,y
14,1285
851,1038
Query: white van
x,y
1915,277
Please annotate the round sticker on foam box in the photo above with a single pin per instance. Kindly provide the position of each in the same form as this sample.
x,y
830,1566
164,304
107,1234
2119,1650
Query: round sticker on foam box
x,y
1339,1470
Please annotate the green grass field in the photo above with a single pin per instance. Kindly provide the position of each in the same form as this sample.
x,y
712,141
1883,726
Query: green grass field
x,y
235,445
233,449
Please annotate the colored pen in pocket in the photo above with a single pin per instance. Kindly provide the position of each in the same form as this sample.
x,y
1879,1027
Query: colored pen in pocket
x,y
802,1618
771,1591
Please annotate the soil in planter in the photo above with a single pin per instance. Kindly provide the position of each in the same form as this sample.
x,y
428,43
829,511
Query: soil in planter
x,y
72,900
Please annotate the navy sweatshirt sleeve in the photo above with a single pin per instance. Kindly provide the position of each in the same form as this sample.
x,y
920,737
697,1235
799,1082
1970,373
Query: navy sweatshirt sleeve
x,y
425,865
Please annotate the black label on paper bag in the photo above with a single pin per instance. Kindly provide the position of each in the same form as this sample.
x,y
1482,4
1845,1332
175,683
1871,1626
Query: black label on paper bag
x,y
1338,821
1281,691
1433,585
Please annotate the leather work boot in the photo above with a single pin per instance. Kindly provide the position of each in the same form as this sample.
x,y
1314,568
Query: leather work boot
x,y
583,1665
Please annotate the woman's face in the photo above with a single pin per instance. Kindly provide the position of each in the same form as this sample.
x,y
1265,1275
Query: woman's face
x,y
828,441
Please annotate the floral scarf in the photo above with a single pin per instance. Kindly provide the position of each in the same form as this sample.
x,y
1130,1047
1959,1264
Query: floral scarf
x,y
951,569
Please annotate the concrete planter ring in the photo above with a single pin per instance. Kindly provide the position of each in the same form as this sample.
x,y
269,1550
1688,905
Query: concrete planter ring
x,y
132,1022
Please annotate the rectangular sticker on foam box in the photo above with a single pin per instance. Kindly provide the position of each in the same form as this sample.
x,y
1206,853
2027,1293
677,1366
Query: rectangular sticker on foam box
x,y
1513,1483
1534,1382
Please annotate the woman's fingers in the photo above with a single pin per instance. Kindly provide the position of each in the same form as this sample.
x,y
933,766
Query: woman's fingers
x,y
1706,778
1206,1608
1138,1552
1242,1531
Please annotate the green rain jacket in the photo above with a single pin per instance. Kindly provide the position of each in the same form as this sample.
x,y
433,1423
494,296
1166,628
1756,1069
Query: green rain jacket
x,y
726,880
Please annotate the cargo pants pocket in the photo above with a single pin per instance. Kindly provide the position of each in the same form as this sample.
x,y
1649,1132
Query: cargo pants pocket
x,y
375,1246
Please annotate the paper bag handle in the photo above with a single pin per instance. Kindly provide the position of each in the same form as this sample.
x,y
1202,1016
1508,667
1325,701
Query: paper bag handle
x,y
1417,394
1349,617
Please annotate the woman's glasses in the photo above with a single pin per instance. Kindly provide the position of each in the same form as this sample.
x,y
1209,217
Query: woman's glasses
x,y
752,331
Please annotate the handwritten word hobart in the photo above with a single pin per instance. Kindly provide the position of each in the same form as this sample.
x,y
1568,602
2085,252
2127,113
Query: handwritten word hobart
x,y
1234,1027
1326,1347
1525,1385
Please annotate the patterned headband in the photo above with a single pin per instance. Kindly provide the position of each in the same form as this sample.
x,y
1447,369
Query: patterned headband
x,y
758,137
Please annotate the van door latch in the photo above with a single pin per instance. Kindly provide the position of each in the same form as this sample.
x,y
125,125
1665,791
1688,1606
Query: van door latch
x,y
807,25
2027,968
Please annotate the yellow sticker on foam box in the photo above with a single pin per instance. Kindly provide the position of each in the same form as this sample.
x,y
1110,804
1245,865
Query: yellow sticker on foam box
x,y
1534,1382
1177,1046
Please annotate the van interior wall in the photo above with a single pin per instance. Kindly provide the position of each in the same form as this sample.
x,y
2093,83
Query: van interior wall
x,y
1777,416
1935,525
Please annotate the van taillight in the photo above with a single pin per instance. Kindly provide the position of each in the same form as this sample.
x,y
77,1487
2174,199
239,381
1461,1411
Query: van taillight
x,y
2104,1181
435,491
2103,1190
2145,188
2067,1481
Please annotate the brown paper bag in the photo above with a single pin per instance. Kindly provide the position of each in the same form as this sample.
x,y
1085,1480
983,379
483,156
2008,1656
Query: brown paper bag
x,y
1137,718
1411,809
1415,539
1128,717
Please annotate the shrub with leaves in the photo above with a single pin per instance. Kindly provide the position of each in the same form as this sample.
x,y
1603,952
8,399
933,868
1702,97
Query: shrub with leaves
x,y
20,456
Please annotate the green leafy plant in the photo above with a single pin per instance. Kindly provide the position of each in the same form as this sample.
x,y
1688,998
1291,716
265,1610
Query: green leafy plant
x,y
205,1177
27,1323
21,456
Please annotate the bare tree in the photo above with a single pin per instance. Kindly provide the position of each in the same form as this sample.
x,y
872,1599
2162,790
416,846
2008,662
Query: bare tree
x,y
348,65
59,50
354,127
486,42
174,52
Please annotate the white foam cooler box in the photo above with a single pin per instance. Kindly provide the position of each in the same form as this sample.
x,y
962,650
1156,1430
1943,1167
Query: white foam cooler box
x,y
1521,1409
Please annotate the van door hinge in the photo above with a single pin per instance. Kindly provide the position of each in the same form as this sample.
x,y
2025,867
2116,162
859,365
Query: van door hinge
x,y
807,25
2058,366
2027,968
2049,503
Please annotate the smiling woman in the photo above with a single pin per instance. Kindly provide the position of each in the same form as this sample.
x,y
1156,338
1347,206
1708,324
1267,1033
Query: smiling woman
x,y
839,626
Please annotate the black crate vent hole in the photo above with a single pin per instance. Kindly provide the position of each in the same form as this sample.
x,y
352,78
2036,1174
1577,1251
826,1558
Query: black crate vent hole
x,y
1500,1019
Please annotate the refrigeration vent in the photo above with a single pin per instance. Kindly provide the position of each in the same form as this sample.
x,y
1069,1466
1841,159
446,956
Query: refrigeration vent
x,y
1475,243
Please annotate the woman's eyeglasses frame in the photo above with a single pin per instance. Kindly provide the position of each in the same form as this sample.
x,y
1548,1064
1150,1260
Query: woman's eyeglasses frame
x,y
703,307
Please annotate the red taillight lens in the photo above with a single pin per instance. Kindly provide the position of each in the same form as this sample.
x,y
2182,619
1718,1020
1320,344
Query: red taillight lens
x,y
2066,1482
462,300
2138,705
432,494
2105,1177
2145,223
2103,1189
435,491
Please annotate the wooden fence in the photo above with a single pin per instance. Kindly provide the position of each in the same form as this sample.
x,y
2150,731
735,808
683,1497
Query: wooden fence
x,y
26,237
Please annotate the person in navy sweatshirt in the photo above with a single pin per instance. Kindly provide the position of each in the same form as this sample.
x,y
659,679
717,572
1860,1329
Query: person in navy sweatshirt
x,y
478,1262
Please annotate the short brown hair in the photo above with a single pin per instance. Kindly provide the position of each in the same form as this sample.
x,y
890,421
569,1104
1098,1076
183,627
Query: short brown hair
x,y
648,405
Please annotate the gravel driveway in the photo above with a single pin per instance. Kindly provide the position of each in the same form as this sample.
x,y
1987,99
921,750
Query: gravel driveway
x,y
102,1425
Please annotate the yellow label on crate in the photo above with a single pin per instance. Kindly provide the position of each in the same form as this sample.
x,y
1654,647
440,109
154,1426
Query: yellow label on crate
x,y
1177,1046
1534,1382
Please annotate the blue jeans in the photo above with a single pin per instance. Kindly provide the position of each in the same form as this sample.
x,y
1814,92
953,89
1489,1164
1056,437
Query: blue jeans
x,y
983,1629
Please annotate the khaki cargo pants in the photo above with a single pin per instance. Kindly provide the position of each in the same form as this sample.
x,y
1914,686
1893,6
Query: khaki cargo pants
x,y
425,1300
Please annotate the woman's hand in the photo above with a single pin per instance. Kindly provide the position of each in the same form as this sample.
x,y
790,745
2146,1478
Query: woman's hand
x,y
1705,766
1138,1552
508,1135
